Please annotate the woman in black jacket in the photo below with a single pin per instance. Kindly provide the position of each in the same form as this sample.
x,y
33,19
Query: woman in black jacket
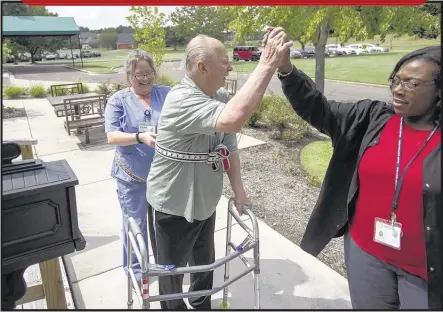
x,y
382,189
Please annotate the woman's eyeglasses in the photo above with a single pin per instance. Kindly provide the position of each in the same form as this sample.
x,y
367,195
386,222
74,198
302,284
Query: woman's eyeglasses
x,y
149,76
407,85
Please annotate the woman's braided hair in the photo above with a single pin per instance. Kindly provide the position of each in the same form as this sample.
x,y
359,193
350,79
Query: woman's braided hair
x,y
431,54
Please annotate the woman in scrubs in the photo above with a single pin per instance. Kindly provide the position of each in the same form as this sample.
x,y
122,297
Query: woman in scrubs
x,y
131,117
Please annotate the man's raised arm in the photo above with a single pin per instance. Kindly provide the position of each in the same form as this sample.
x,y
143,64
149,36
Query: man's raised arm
x,y
241,107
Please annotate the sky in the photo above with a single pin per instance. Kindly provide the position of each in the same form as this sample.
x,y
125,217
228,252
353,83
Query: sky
x,y
96,17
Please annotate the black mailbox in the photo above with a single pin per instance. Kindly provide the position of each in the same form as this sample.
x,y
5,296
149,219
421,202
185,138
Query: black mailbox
x,y
39,212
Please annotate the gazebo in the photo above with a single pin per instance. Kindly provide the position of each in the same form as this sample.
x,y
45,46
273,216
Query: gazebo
x,y
41,26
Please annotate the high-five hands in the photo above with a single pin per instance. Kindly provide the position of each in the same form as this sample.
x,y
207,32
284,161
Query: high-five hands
x,y
284,64
276,47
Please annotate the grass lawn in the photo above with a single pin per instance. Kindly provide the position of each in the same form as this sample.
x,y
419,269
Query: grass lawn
x,y
97,67
104,65
372,68
400,44
315,159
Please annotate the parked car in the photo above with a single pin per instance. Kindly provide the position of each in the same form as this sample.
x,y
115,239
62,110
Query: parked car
x,y
49,57
9,59
86,54
308,52
96,53
295,54
358,48
247,53
38,57
332,48
374,48
71,56
347,51
23,58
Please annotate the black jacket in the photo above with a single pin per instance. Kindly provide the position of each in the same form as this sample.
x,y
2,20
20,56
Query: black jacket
x,y
353,127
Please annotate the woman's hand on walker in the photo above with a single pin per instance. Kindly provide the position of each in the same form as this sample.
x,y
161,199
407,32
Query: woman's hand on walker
x,y
148,138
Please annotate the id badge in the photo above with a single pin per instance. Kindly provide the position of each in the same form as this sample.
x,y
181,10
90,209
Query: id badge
x,y
387,233
146,127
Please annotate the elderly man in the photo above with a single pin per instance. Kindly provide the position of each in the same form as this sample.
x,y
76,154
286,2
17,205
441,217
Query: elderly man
x,y
196,143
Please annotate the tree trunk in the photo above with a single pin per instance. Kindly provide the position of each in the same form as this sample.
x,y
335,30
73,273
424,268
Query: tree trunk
x,y
302,45
33,52
320,47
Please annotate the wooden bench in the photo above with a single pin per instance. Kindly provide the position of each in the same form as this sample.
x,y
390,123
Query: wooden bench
x,y
84,113
66,89
57,102
52,283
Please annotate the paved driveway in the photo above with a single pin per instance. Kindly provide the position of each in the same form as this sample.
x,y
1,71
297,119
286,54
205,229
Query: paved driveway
x,y
58,73
5,79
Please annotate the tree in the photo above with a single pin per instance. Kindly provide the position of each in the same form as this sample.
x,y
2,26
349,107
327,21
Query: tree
x,y
27,43
108,39
124,29
174,36
34,44
201,20
433,9
10,48
21,9
313,24
149,30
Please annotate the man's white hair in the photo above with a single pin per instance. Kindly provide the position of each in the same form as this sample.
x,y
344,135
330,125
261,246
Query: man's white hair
x,y
199,48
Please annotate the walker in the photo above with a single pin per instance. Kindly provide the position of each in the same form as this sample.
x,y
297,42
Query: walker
x,y
137,244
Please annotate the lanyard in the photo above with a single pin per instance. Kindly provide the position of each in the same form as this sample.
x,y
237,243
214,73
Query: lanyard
x,y
399,180
148,115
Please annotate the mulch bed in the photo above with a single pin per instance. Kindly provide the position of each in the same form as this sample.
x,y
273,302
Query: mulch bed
x,y
280,190
10,112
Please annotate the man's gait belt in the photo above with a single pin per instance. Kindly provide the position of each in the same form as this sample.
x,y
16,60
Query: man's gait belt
x,y
218,156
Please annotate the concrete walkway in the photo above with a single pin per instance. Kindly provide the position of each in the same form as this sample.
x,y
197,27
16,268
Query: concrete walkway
x,y
290,278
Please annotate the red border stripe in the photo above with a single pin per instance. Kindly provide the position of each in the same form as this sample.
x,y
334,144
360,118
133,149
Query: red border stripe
x,y
227,2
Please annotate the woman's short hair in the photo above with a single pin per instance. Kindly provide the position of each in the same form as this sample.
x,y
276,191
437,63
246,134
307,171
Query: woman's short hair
x,y
430,54
134,57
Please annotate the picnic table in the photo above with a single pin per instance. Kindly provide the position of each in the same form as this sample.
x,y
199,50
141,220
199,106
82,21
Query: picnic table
x,y
57,102
82,111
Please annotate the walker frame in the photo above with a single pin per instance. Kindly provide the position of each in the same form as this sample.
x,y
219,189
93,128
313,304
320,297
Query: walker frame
x,y
137,245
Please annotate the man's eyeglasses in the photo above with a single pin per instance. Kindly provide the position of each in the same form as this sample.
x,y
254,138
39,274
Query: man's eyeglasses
x,y
407,85
149,76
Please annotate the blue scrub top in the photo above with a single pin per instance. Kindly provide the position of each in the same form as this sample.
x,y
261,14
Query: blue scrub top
x,y
124,112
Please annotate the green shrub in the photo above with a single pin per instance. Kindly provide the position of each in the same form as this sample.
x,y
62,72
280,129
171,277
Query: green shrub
x,y
258,114
13,92
104,88
165,81
37,91
116,86
278,114
86,88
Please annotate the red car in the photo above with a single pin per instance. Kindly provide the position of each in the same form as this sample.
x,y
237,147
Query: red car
x,y
247,53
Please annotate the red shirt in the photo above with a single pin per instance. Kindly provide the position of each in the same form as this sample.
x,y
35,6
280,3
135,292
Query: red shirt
x,y
377,184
